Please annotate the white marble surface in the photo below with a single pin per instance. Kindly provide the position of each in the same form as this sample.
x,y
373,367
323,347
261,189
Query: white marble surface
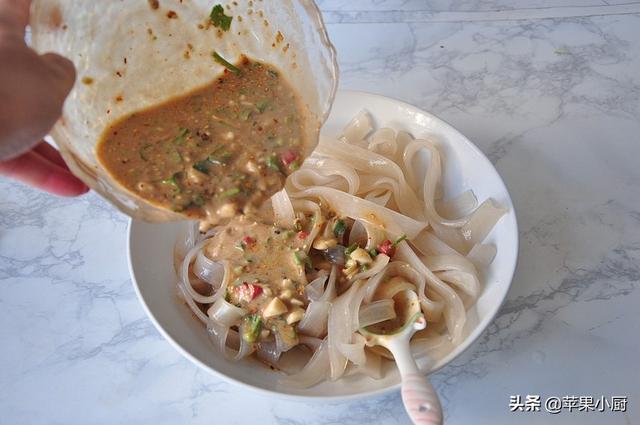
x,y
551,94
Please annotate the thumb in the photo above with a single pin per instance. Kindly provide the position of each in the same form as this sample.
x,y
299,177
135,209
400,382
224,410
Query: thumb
x,y
61,71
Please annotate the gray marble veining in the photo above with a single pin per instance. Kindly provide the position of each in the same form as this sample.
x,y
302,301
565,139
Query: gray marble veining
x,y
551,96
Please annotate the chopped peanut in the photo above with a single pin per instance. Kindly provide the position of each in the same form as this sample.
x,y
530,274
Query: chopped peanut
x,y
322,243
275,307
227,210
295,316
297,302
361,256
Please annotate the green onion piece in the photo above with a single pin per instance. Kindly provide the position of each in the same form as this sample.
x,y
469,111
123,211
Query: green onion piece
x,y
245,115
272,73
202,167
339,228
350,249
220,156
294,166
302,259
299,258
182,133
262,105
172,181
272,162
222,61
373,252
219,19
230,192
364,267
397,241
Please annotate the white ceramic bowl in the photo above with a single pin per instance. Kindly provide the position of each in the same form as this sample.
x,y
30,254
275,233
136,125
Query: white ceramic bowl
x,y
465,167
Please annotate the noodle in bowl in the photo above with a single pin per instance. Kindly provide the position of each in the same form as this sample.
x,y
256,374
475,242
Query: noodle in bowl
x,y
367,231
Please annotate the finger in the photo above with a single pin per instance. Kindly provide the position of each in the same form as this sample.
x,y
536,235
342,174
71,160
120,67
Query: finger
x,y
14,15
50,153
62,71
34,170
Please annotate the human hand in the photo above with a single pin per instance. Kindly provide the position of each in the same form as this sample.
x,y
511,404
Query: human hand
x,y
32,91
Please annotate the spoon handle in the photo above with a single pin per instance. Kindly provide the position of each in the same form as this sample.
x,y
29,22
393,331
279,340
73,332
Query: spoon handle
x,y
421,400
418,395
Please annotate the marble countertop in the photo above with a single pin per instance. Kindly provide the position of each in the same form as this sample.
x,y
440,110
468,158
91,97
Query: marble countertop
x,y
551,93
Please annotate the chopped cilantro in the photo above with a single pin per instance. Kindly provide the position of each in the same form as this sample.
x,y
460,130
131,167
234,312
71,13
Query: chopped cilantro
x,y
219,19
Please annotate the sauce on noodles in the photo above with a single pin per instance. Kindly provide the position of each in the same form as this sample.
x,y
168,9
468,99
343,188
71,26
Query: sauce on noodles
x,y
358,242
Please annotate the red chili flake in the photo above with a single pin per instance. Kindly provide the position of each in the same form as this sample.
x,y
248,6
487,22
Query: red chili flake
x,y
386,248
288,157
303,235
248,240
257,290
248,292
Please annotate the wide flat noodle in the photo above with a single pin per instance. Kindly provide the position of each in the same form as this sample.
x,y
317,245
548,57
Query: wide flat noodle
x,y
283,212
369,182
359,127
368,162
481,222
458,207
347,205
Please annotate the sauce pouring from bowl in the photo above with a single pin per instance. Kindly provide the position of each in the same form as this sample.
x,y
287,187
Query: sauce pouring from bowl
x,y
216,152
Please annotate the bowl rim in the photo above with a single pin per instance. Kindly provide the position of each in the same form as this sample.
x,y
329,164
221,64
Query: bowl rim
x,y
471,339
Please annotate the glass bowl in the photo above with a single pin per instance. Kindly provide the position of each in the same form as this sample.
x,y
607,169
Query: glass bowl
x,y
131,54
